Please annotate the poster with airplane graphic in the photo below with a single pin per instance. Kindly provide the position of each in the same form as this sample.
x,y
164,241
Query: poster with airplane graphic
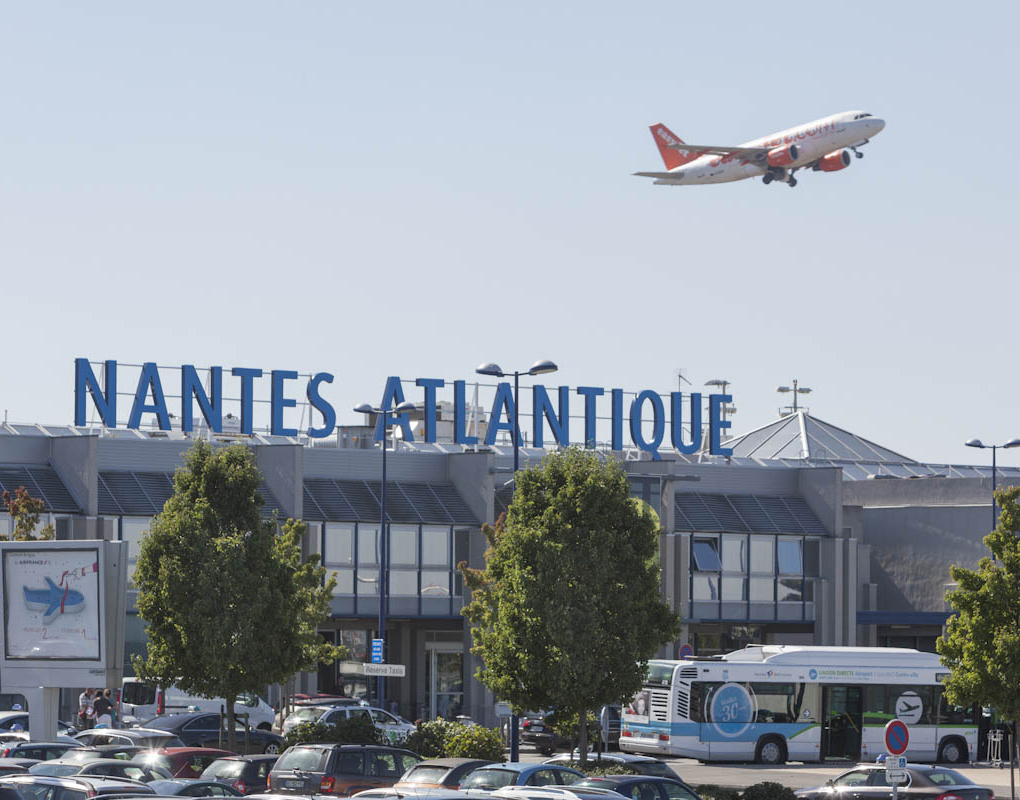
x,y
51,600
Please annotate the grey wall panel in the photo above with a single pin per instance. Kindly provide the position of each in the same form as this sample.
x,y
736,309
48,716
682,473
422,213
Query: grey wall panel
x,y
721,478
921,492
76,459
24,449
138,455
912,549
325,462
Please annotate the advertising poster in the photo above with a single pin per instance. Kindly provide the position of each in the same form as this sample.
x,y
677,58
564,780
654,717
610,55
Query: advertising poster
x,y
637,709
51,604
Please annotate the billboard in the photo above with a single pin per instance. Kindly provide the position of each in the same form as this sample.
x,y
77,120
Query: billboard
x,y
52,603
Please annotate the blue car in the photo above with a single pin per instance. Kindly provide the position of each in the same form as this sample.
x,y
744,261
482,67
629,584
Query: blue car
x,y
516,773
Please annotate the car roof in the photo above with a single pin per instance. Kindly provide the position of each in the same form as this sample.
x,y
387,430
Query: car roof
x,y
95,781
452,762
629,758
255,757
626,778
522,766
180,751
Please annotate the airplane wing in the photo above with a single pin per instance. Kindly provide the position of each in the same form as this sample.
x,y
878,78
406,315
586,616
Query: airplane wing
x,y
663,176
749,153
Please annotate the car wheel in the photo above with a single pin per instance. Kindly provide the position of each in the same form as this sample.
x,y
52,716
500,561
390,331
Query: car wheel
x,y
272,749
952,752
546,751
771,752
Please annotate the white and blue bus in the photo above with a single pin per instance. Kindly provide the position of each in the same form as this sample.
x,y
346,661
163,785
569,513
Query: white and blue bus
x,y
772,703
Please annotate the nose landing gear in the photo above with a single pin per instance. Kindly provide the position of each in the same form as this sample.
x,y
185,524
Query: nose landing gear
x,y
857,152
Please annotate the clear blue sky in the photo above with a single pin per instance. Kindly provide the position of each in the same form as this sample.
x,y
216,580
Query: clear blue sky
x,y
413,188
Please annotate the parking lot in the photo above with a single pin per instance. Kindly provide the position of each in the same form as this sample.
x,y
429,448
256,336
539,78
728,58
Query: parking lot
x,y
796,775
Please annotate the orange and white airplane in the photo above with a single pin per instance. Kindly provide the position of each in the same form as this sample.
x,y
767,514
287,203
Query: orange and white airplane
x,y
823,145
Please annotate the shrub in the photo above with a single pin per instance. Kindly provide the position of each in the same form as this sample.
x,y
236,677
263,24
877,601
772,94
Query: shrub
x,y
359,730
474,741
594,767
768,790
429,740
710,791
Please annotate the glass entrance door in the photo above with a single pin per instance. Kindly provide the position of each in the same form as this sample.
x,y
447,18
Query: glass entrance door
x,y
444,682
842,721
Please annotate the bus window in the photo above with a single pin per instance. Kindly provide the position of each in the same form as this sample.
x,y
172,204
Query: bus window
x,y
955,715
776,701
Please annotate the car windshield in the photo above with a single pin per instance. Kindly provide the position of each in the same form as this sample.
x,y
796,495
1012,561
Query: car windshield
x,y
305,715
40,791
947,777
157,740
224,769
310,759
51,768
490,779
81,756
424,775
654,768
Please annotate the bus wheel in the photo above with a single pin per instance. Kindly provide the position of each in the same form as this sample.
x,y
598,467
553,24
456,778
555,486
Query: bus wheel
x,y
770,751
952,751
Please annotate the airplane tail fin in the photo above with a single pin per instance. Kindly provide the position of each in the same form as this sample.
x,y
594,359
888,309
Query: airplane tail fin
x,y
666,141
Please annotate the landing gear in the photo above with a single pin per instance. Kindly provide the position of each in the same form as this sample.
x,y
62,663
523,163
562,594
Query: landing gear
x,y
792,181
857,152
767,178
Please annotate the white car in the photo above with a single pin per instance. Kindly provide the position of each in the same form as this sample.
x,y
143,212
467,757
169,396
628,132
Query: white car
x,y
395,729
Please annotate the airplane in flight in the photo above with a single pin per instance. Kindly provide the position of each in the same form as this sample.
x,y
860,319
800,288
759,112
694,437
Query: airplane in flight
x,y
823,145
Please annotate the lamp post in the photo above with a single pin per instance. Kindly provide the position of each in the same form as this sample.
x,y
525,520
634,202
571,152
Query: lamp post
x,y
538,368
796,391
384,585
993,447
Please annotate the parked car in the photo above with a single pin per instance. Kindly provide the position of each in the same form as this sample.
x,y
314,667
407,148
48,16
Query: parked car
x,y
43,751
140,700
644,765
193,787
534,730
82,755
183,762
440,773
74,788
102,767
141,737
18,721
202,729
246,774
16,766
393,728
572,792
642,787
516,773
867,782
341,769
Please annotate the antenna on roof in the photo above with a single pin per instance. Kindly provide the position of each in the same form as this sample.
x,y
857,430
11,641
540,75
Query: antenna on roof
x,y
680,379
785,410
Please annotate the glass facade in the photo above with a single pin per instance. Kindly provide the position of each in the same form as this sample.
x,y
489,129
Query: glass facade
x,y
741,576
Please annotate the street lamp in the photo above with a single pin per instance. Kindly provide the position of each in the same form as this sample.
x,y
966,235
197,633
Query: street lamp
x,y
796,391
538,368
993,447
384,585
729,408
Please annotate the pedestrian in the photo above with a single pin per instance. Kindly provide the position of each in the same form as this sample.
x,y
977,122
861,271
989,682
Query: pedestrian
x,y
103,708
85,710
115,717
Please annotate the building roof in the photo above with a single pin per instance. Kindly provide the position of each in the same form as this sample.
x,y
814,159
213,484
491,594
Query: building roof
x,y
799,435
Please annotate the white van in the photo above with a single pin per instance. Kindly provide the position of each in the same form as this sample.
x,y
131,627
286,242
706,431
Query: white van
x,y
141,701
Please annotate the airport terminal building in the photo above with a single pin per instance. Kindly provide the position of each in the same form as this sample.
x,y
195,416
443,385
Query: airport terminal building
x,y
804,533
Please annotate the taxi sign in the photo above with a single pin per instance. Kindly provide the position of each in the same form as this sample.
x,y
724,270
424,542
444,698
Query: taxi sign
x,y
896,737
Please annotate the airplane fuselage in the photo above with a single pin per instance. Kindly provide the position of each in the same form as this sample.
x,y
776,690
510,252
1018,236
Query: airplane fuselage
x,y
813,140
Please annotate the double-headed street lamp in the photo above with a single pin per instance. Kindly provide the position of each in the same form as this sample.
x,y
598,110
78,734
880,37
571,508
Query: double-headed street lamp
x,y
384,585
538,368
993,447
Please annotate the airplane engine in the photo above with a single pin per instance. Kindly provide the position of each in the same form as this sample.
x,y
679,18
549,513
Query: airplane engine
x,y
783,156
834,162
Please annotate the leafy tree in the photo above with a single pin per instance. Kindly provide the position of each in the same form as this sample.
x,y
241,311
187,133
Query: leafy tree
x,y
230,605
566,612
25,510
982,644
353,730
474,741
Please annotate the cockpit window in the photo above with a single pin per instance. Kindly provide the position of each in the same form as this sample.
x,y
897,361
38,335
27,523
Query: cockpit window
x,y
861,116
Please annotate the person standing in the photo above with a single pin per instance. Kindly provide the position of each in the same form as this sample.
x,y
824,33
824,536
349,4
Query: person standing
x,y
85,709
103,708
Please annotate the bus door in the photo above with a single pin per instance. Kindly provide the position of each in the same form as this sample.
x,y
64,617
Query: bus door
x,y
842,720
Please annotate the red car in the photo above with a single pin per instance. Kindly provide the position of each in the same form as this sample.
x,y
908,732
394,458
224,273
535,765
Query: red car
x,y
183,762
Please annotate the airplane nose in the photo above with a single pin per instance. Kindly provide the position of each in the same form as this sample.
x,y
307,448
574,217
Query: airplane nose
x,y
878,125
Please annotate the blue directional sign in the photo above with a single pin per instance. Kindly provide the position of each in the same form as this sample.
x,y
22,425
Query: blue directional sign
x,y
377,651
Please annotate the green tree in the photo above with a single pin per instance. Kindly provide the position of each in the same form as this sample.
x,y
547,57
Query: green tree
x,y
25,510
982,643
566,612
230,605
